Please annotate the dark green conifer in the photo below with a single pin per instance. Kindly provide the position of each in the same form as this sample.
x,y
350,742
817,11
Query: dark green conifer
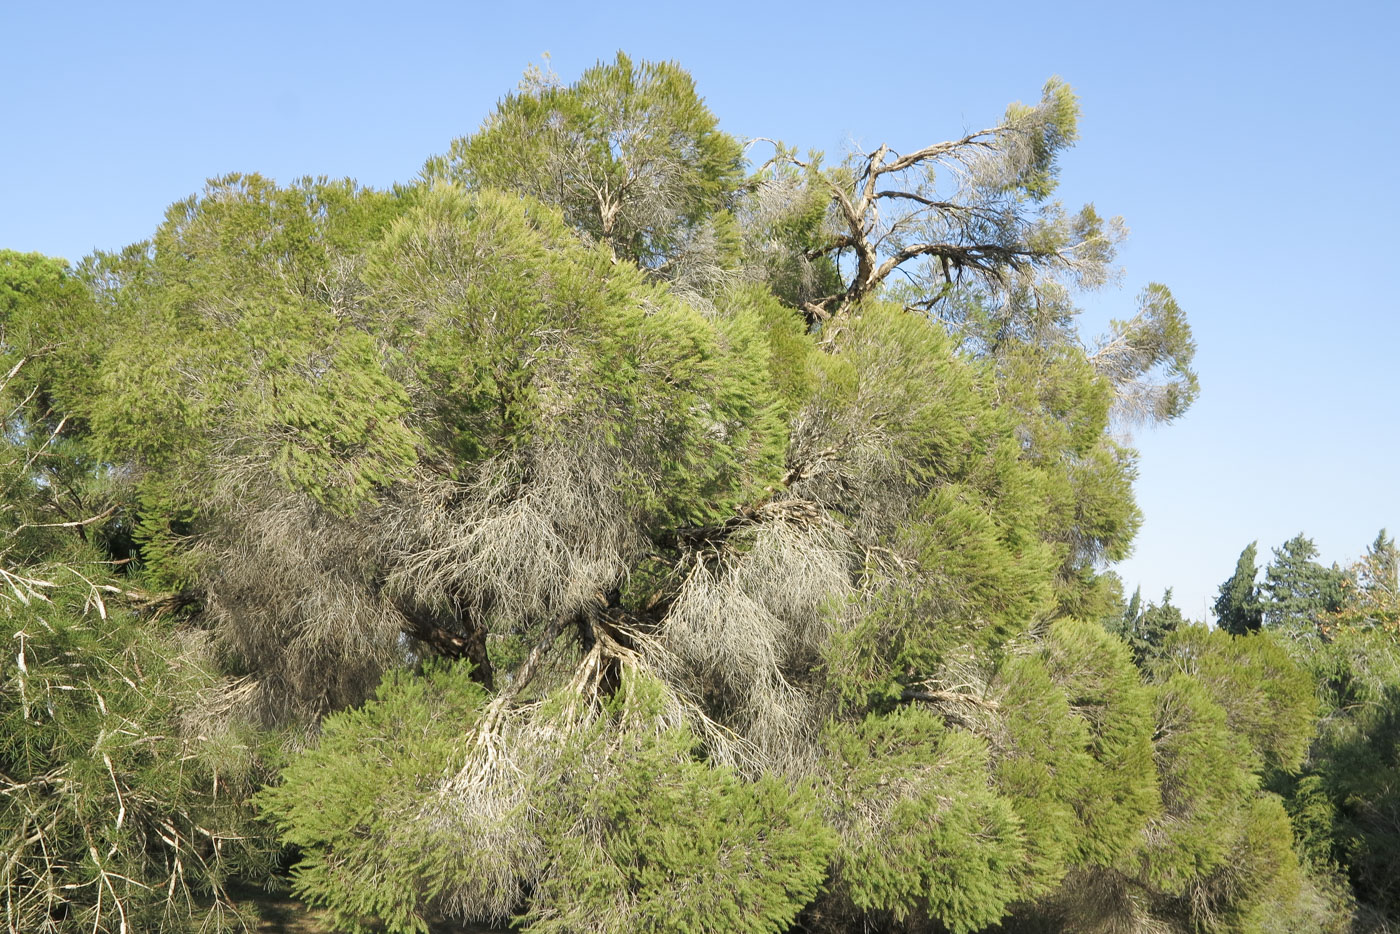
x,y
1299,591
1238,609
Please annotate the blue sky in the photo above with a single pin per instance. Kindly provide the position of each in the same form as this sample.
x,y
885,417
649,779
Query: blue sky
x,y
1252,149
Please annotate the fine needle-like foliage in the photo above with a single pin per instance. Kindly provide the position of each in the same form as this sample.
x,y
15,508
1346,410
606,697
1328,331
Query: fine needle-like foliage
x,y
598,535
124,803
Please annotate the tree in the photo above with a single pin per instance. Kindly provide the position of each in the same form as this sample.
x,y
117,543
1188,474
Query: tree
x,y
125,800
1238,609
630,154
988,255
126,804
1377,595
586,591
888,212
1347,799
1146,629
1299,590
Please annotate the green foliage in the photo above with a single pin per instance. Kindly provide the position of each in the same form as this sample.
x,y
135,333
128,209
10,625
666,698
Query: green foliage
x,y
626,831
512,332
1374,601
1148,359
48,473
1312,812
984,519
1059,407
792,361
125,794
1299,590
239,350
1238,608
1146,630
28,277
771,590
46,315
998,575
306,358
1203,777
1118,792
1045,767
1048,129
1362,759
1256,888
784,220
1268,698
1380,576
629,152
1346,802
1338,626
923,831
643,837
346,802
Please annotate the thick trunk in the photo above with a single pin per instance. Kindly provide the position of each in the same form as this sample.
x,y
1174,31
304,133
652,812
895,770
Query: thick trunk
x,y
451,637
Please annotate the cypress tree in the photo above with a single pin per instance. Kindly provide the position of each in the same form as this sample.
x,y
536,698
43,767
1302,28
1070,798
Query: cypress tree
x,y
1238,609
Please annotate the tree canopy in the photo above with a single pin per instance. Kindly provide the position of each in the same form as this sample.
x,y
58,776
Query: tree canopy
x,y
594,534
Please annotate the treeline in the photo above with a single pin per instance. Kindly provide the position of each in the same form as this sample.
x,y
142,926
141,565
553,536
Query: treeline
x,y
1342,626
622,528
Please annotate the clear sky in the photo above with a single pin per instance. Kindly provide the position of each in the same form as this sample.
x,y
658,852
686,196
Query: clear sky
x,y
1252,149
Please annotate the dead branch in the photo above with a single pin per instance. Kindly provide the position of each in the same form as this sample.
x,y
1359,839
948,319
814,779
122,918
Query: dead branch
x,y
66,525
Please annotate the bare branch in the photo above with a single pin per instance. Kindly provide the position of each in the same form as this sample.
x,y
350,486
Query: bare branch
x,y
927,202
65,525
938,150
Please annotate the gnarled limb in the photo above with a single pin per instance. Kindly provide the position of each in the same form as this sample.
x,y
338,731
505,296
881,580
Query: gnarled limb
x,y
451,637
889,209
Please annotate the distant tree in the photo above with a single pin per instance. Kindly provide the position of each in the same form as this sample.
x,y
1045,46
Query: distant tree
x,y
1359,758
1131,613
1298,590
1215,854
1378,577
1370,593
1146,629
1238,609
1346,801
